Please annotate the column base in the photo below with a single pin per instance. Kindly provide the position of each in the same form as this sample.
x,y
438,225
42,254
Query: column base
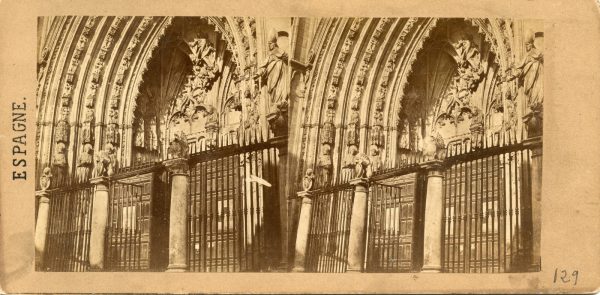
x,y
298,269
353,270
177,268
431,269
535,267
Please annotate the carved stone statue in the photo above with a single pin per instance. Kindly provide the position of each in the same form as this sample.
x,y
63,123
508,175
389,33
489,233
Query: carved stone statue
x,y
349,157
103,163
361,163
46,179
352,135
178,147
377,136
332,96
404,140
530,74
274,71
85,162
325,164
375,159
328,131
434,147
60,157
308,181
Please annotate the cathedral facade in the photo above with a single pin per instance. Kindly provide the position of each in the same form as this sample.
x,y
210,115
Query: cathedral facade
x,y
232,144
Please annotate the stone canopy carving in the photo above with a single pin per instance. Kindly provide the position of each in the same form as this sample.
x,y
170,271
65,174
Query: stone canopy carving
x,y
192,96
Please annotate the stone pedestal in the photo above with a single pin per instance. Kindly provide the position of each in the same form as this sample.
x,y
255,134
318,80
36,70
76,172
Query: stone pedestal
x,y
41,228
358,224
432,233
535,144
99,222
178,214
302,232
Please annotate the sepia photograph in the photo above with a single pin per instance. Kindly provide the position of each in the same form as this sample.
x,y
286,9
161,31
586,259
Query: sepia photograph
x,y
289,144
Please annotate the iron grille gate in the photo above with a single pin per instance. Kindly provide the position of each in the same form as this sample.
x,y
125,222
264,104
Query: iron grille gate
x,y
232,214
487,212
393,228
327,248
137,232
69,226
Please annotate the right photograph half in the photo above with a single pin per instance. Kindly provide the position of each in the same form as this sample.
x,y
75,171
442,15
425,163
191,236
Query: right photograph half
x,y
415,145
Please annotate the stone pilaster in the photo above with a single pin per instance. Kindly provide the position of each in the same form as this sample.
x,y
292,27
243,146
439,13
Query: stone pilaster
x,y
432,233
302,232
99,222
178,214
41,228
358,224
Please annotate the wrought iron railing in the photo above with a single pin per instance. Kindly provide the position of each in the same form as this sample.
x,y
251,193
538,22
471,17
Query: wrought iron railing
x,y
487,210
233,215
327,248
69,225
393,229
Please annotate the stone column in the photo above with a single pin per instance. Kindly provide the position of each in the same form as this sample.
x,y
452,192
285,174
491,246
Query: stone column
x,y
178,214
432,233
99,222
303,230
41,228
533,122
358,224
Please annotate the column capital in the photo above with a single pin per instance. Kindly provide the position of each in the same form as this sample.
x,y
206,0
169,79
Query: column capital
x,y
434,168
101,182
177,166
360,184
43,195
535,145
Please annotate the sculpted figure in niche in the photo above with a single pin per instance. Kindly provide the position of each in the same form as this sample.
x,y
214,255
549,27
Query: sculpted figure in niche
x,y
46,179
352,136
404,141
328,130
325,164
60,157
375,159
178,148
85,161
274,71
87,133
361,163
529,72
308,181
349,158
434,147
332,96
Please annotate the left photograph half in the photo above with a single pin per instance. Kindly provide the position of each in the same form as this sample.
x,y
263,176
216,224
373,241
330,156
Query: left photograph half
x,y
161,144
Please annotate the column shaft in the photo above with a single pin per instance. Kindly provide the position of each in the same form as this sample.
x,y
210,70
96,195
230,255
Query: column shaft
x,y
536,206
432,232
41,229
99,222
358,223
302,232
178,216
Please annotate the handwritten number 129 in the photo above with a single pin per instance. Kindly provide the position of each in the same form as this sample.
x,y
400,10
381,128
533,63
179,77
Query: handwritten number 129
x,y
563,276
